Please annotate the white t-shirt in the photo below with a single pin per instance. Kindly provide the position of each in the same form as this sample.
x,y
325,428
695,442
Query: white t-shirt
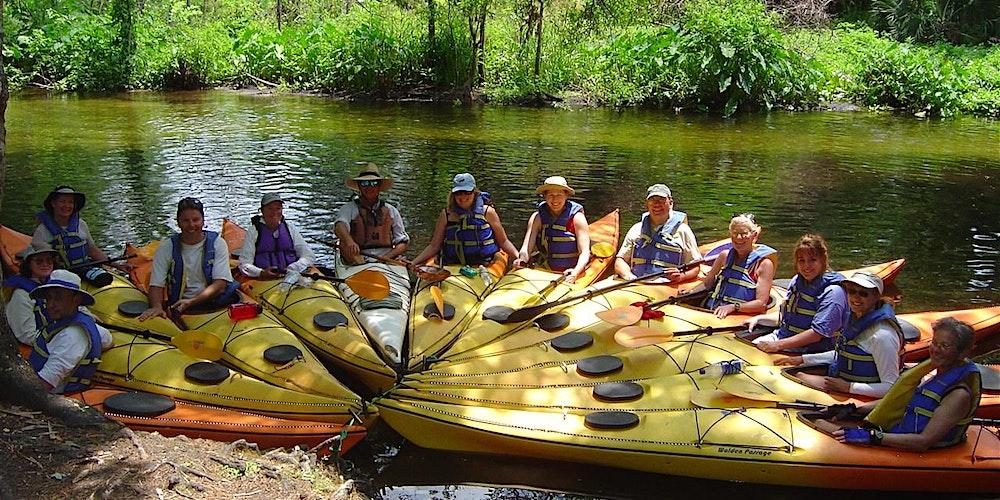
x,y
882,342
20,313
684,237
43,237
249,251
66,349
349,212
193,255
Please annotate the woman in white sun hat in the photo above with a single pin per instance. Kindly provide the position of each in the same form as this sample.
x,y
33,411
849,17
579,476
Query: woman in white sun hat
x,y
558,231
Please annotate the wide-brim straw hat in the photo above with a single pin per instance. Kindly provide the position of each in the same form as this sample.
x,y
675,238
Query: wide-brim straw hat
x,y
369,172
79,199
555,182
32,251
61,278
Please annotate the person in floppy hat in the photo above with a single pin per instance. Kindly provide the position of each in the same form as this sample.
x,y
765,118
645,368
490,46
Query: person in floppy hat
x,y
558,230
741,276
66,352
24,314
468,231
866,358
273,246
60,226
190,268
660,242
367,222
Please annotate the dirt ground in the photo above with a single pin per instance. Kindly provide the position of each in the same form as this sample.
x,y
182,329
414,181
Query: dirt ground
x,y
45,459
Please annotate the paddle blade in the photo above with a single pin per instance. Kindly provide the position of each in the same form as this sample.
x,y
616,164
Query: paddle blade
x,y
602,250
639,336
497,313
438,299
524,314
369,284
199,344
622,316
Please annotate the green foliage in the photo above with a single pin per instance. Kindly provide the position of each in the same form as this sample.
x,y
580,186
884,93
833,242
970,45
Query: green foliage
x,y
957,21
180,53
70,52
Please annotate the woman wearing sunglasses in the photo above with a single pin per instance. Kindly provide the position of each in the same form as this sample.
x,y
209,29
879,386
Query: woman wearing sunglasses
x,y
468,231
190,268
815,307
740,278
368,222
866,357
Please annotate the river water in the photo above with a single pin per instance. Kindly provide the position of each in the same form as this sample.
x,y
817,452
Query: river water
x,y
877,186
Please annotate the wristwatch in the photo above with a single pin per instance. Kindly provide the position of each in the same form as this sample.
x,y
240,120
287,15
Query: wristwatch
x,y
737,309
876,435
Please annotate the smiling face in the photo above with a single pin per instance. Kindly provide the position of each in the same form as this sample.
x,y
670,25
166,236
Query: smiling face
x,y
63,206
41,266
369,190
464,199
944,350
556,199
191,223
61,302
808,264
659,208
743,236
272,213
861,300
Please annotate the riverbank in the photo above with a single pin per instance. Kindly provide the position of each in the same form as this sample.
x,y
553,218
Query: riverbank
x,y
712,57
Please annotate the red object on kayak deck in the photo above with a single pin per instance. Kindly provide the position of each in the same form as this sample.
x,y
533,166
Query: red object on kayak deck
x,y
244,311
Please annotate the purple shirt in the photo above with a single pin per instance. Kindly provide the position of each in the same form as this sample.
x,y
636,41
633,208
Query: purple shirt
x,y
832,313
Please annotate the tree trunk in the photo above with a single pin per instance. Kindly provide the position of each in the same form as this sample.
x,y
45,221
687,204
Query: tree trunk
x,y
481,52
431,47
18,382
277,13
538,37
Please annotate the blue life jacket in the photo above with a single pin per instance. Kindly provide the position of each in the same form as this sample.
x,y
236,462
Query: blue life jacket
x,y
17,281
801,305
175,272
654,252
67,241
734,285
854,363
469,240
556,242
927,398
80,378
273,252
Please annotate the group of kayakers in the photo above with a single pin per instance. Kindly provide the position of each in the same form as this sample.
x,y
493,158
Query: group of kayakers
x,y
826,318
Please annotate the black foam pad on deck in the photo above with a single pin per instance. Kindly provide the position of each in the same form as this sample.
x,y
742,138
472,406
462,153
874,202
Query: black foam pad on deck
x,y
431,311
330,319
133,308
139,404
206,372
572,341
618,391
598,365
611,420
282,354
552,322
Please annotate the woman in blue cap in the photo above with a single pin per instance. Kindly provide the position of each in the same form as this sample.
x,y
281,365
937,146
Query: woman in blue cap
x,y
468,231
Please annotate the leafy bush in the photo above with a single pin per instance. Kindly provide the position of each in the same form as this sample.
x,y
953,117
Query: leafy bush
x,y
70,52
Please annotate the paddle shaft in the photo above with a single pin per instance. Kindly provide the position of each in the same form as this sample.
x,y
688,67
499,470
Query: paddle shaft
x,y
805,405
530,312
99,262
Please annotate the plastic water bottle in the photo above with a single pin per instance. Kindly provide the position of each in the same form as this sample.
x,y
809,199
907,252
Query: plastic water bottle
x,y
291,279
485,275
722,368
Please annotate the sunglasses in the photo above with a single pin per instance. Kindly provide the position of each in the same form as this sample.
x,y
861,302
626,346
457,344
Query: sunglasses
x,y
368,184
864,293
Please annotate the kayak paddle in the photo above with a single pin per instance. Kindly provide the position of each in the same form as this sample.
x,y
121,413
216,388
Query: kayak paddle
x,y
195,343
369,283
496,313
630,315
438,298
638,336
93,263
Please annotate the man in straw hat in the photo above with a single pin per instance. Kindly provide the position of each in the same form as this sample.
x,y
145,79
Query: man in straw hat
x,y
273,246
24,314
368,222
558,230
68,349
660,242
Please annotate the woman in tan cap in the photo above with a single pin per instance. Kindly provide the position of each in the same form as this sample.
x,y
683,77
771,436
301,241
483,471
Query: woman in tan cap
x,y
368,222
61,227
558,230
468,231
24,314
